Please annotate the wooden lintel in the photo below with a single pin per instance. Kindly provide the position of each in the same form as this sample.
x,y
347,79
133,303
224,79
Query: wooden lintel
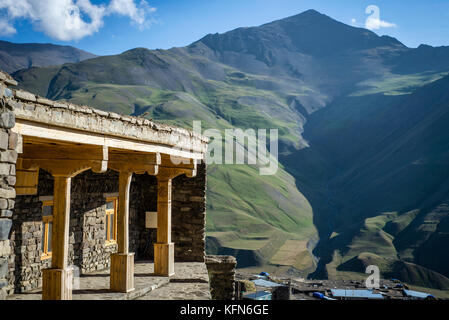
x,y
170,161
149,158
166,173
65,168
134,167
64,160
64,152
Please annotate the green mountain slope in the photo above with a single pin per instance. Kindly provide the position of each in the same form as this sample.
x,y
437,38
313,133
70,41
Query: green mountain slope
x,y
385,185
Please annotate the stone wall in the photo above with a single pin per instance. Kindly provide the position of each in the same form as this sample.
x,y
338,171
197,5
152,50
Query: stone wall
x,y
87,248
221,271
9,147
189,216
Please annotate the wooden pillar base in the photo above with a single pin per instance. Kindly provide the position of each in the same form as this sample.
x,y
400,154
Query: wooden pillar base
x,y
164,259
57,284
122,272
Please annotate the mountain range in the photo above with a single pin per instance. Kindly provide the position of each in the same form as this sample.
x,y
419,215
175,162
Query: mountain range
x,y
364,149
16,56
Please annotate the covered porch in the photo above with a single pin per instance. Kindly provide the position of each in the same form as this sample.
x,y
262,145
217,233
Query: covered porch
x,y
65,141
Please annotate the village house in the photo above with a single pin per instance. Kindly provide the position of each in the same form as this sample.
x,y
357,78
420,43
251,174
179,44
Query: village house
x,y
95,190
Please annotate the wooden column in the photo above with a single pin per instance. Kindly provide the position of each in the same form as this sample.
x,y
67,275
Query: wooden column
x,y
164,249
63,162
57,281
122,262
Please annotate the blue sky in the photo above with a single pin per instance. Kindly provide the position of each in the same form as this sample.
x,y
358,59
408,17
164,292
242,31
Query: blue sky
x,y
113,26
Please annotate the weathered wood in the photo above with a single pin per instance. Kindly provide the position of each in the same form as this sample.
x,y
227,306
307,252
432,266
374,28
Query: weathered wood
x,y
171,161
164,249
164,259
147,158
57,284
123,211
122,263
61,219
64,152
122,272
26,180
68,168
166,173
164,196
136,167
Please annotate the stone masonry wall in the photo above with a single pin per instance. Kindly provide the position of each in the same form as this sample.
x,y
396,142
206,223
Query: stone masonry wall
x,y
9,147
221,271
87,248
189,216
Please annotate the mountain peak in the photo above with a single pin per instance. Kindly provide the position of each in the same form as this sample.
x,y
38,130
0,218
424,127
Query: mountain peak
x,y
309,32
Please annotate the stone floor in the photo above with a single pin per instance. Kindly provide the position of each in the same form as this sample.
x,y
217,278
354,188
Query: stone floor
x,y
190,282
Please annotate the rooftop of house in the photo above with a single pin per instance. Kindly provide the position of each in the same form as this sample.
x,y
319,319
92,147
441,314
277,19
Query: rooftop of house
x,y
30,108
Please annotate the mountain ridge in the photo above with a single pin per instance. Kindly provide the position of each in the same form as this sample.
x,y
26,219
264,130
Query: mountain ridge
x,y
16,56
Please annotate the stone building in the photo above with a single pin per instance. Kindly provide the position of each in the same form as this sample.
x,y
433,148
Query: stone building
x,y
96,190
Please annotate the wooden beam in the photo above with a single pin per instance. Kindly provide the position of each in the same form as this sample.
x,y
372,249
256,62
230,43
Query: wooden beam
x,y
26,180
123,212
133,162
61,219
56,282
170,161
164,260
64,152
122,262
64,160
164,198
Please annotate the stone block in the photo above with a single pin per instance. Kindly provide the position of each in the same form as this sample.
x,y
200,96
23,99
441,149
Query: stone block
x,y
13,140
5,213
5,169
4,137
7,193
11,180
9,156
3,268
5,249
23,95
5,227
7,120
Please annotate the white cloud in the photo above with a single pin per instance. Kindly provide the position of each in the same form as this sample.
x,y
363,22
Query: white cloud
x,y
6,29
138,14
373,21
375,24
354,22
70,19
